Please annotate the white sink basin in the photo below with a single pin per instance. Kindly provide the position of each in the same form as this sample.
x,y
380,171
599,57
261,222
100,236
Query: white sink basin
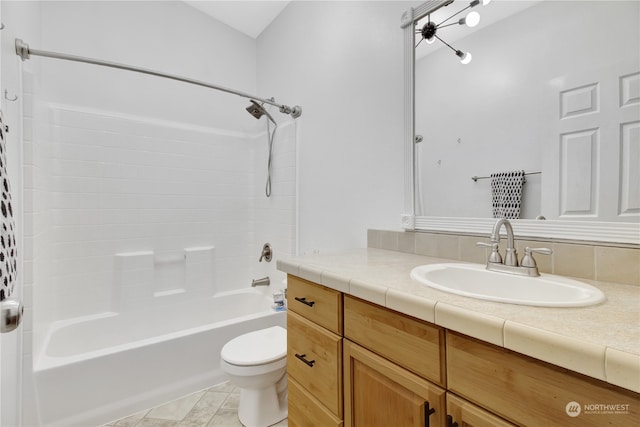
x,y
475,281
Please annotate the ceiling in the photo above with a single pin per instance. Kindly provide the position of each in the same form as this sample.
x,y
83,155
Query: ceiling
x,y
248,17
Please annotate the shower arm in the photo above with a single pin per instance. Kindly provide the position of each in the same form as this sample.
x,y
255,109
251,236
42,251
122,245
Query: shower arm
x,y
25,52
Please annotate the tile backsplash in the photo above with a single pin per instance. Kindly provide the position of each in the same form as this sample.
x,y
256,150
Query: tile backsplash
x,y
580,260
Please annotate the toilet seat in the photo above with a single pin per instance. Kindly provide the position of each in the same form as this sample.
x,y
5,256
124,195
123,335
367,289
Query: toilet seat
x,y
256,348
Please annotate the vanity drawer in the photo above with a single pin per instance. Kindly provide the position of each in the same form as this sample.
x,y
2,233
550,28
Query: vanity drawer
x,y
314,360
530,392
315,302
306,411
411,343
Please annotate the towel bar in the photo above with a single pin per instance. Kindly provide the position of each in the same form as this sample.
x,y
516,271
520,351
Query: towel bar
x,y
476,178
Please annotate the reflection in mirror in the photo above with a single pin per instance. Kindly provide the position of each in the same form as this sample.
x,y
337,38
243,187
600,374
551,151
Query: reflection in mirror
x,y
553,90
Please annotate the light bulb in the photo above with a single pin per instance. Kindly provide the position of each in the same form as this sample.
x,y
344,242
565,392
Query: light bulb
x,y
472,19
465,58
431,40
485,2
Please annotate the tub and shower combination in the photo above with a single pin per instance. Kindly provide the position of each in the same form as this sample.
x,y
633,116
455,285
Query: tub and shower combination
x,y
146,341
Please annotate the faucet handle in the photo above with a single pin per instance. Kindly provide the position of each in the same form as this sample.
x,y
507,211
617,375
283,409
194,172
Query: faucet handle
x,y
528,260
266,253
495,255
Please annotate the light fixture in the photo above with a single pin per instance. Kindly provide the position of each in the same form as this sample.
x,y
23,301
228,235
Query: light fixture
x,y
472,19
429,30
465,58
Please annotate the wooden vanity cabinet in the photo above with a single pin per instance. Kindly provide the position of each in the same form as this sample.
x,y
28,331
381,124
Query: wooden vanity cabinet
x,y
314,354
529,392
381,368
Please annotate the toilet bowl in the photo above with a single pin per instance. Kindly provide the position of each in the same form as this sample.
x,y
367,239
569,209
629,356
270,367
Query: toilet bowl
x,y
256,363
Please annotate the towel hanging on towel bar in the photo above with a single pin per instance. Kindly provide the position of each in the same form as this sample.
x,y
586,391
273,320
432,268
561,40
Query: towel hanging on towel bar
x,y
506,193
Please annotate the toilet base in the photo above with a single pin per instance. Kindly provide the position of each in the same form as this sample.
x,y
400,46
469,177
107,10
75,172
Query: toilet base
x,y
263,407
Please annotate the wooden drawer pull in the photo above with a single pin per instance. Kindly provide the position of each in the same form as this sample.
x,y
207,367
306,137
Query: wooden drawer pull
x,y
304,301
307,362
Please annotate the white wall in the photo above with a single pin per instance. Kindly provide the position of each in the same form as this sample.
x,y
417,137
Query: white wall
x,y
168,36
343,63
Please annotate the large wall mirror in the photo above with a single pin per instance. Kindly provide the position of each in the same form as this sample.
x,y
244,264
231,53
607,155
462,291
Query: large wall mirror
x,y
553,89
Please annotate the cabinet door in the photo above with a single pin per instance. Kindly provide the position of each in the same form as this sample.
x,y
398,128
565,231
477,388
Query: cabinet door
x,y
379,393
465,414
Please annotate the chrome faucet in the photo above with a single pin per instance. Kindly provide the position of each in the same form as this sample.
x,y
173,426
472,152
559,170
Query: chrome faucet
x,y
511,256
527,267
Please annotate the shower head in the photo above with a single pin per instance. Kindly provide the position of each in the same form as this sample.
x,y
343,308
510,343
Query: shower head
x,y
256,110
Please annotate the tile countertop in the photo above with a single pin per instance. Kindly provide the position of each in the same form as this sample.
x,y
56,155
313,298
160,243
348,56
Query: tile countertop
x,y
601,341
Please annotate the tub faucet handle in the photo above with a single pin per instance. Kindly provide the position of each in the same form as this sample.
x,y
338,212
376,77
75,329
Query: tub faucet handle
x,y
266,254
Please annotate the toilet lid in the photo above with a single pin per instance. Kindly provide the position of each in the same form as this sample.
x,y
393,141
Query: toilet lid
x,y
257,347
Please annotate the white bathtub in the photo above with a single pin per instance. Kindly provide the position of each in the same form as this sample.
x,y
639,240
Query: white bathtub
x,y
96,369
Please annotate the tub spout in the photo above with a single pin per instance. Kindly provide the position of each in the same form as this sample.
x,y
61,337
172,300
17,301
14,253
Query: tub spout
x,y
260,282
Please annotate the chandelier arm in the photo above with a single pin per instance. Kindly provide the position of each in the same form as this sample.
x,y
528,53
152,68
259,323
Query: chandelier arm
x,y
457,13
447,44
448,25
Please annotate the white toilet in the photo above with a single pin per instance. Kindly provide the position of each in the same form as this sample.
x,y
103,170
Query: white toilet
x,y
256,363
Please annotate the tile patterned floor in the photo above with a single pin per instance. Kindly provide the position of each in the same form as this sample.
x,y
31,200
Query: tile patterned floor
x,y
216,406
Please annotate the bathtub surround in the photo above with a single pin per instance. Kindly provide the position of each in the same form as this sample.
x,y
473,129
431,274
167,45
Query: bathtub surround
x,y
583,260
121,185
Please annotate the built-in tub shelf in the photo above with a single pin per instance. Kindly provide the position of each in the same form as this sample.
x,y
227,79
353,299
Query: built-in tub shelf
x,y
146,278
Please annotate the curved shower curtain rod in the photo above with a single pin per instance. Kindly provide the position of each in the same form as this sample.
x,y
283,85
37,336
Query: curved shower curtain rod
x,y
24,51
